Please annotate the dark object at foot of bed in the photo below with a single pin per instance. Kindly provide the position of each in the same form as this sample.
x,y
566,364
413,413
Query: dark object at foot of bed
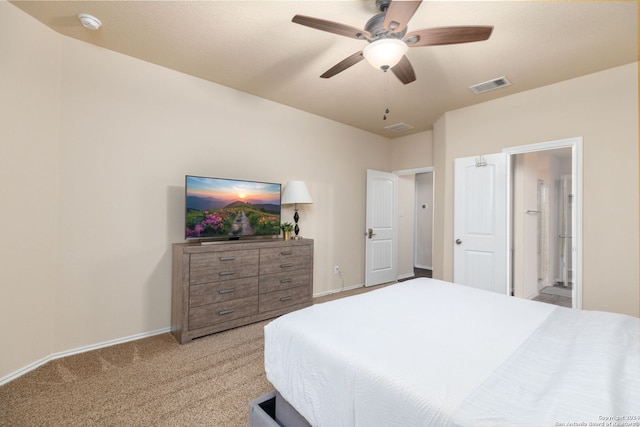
x,y
271,410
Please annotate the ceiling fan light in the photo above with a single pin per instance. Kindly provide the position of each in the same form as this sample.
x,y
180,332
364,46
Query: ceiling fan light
x,y
385,53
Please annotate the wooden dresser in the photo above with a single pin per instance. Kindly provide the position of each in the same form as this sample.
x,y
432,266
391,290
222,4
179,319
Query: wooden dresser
x,y
224,285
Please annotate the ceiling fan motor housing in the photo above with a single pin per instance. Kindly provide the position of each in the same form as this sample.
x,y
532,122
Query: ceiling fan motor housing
x,y
375,28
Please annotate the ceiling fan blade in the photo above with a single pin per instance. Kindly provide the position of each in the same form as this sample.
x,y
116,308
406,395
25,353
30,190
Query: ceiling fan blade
x,y
404,71
399,13
343,65
447,35
331,27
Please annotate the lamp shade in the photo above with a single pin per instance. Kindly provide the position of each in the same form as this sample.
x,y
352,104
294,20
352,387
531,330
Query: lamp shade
x,y
385,53
295,192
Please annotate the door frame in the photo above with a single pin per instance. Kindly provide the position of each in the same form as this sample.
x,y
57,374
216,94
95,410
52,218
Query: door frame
x,y
575,144
415,171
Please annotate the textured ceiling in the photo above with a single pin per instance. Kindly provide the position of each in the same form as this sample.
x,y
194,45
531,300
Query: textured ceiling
x,y
254,47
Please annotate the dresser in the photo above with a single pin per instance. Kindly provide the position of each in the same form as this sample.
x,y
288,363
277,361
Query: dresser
x,y
224,285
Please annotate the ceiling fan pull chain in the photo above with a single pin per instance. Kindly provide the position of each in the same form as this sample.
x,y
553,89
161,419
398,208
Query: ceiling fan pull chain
x,y
386,95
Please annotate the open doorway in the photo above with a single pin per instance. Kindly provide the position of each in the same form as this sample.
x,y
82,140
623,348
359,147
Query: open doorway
x,y
423,230
544,230
542,204
415,222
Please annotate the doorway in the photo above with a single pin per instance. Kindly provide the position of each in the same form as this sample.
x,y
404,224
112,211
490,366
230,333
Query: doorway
x,y
423,231
415,222
541,211
545,216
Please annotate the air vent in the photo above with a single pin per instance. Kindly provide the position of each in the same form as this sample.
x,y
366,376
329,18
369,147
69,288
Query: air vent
x,y
399,127
490,85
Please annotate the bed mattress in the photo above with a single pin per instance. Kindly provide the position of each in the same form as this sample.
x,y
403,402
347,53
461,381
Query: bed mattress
x,y
430,353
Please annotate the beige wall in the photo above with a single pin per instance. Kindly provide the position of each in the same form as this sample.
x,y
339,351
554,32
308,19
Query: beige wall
x,y
412,151
603,109
29,110
92,192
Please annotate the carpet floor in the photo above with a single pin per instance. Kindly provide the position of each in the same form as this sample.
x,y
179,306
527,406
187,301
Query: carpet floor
x,y
149,382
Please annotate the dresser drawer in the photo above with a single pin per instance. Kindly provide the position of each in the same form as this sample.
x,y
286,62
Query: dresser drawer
x,y
218,266
284,280
276,260
210,293
284,298
212,314
207,259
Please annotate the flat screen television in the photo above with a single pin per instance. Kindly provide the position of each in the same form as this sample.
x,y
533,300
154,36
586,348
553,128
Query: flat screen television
x,y
219,208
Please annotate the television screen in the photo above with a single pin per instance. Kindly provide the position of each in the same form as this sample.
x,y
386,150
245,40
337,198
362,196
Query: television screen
x,y
229,208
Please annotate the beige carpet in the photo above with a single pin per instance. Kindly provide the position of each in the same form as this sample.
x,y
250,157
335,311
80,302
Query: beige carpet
x,y
149,382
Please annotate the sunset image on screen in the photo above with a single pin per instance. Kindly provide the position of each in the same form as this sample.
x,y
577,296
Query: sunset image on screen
x,y
223,207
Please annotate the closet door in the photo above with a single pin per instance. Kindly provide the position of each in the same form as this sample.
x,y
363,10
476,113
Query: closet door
x,y
480,222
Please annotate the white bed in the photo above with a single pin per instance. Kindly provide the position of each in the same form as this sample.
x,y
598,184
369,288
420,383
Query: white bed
x,y
430,353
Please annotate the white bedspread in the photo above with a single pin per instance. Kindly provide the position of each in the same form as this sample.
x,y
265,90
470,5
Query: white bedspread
x,y
430,353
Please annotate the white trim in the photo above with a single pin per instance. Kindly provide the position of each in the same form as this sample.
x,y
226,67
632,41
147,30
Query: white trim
x,y
533,295
413,171
509,221
576,171
425,267
541,146
78,350
337,291
406,276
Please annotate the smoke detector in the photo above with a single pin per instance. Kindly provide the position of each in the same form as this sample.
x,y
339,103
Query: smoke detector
x,y
89,21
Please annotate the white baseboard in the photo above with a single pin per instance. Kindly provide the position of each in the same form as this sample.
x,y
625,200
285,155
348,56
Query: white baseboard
x,y
406,276
336,291
79,350
533,295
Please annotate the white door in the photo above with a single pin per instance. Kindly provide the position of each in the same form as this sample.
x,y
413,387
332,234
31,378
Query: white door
x,y
381,264
480,222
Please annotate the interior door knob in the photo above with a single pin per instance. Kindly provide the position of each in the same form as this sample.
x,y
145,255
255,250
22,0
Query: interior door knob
x,y
458,241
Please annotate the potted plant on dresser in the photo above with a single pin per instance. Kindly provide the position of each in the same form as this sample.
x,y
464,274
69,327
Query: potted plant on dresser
x,y
287,228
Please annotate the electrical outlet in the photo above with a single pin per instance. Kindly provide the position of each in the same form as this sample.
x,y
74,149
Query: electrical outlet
x,y
336,269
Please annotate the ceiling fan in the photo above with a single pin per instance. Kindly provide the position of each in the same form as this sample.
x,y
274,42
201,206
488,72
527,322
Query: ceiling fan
x,y
388,39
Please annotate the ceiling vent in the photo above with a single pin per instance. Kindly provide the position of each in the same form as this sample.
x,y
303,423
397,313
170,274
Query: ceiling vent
x,y
494,84
398,127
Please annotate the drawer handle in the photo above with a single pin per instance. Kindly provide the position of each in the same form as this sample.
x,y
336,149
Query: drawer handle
x,y
286,280
286,252
227,291
283,299
223,312
227,258
288,264
227,273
